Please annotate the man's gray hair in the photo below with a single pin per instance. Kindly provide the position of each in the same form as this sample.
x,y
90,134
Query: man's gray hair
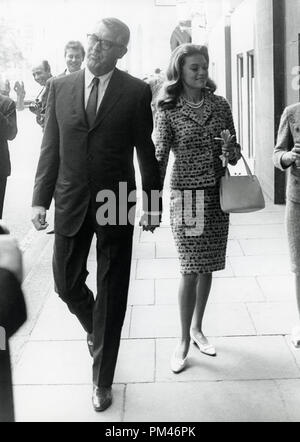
x,y
120,29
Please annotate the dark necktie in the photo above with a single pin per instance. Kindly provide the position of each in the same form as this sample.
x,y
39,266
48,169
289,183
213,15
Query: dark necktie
x,y
91,109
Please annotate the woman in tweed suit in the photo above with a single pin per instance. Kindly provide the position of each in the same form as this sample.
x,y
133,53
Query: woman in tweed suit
x,y
189,119
287,156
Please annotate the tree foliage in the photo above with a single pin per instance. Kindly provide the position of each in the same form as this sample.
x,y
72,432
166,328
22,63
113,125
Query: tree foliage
x,y
10,53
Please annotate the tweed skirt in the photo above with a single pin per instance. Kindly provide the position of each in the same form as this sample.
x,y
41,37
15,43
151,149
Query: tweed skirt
x,y
200,230
292,218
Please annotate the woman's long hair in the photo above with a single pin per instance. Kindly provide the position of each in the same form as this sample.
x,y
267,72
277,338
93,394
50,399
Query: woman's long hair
x,y
173,86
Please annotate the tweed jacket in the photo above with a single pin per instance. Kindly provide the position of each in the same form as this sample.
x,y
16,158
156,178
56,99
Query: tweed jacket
x,y
288,135
191,138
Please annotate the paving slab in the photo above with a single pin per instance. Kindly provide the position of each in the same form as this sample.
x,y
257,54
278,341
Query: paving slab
x,y
57,323
273,318
260,265
163,321
36,290
238,358
166,250
157,268
144,250
234,248
257,231
163,234
263,217
168,269
69,363
224,290
264,247
277,288
252,401
141,292
64,403
290,393
239,289
294,351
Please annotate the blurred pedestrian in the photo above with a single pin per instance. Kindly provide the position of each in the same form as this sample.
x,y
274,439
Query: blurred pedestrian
x,y
189,117
5,87
8,131
12,316
155,82
181,34
287,157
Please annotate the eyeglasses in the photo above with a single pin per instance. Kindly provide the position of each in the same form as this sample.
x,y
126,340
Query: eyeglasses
x,y
106,45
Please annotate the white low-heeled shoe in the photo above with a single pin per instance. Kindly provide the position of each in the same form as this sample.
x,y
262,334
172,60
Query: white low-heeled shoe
x,y
206,349
178,364
295,337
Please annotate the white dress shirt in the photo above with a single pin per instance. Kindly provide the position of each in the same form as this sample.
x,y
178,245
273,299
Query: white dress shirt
x,y
103,83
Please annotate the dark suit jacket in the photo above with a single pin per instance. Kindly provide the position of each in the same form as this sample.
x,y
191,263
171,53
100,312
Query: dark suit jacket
x,y
77,162
8,131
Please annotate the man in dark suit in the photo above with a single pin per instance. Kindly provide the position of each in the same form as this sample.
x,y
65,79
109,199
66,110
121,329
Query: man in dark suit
x,y
12,316
94,119
8,131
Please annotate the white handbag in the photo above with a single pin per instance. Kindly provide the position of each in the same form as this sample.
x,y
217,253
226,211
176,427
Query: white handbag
x,y
241,193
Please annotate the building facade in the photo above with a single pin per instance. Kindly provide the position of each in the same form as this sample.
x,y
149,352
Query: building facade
x,y
254,47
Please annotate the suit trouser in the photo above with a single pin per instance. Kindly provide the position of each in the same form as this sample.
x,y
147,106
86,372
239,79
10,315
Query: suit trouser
x,y
6,393
2,194
103,316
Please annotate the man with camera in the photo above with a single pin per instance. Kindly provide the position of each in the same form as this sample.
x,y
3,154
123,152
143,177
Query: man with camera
x,y
41,74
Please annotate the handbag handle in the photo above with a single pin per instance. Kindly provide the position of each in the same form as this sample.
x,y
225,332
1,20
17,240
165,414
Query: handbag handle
x,y
248,170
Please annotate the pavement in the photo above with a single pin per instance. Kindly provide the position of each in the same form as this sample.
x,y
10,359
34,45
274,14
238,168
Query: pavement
x,y
251,310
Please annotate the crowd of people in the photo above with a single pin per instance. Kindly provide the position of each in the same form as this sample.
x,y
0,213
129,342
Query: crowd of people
x,y
93,119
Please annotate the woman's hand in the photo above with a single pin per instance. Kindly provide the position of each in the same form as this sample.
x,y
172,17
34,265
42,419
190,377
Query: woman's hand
x,y
291,157
228,147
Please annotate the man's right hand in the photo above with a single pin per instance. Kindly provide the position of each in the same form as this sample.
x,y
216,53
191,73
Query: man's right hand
x,y
11,256
39,218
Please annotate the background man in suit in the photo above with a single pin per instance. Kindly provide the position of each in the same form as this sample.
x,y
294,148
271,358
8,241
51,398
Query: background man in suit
x,y
12,316
41,74
95,117
8,131
74,56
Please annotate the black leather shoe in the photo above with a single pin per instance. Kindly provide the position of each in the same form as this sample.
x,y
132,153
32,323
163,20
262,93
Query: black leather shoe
x,y
102,398
90,343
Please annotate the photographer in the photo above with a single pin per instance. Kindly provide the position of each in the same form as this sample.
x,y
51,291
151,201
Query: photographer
x,y
12,315
41,74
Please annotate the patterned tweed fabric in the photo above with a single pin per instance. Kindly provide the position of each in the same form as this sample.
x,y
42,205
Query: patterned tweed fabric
x,y
201,235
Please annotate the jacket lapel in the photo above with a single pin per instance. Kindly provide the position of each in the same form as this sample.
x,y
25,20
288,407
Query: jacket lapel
x,y
78,96
111,97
